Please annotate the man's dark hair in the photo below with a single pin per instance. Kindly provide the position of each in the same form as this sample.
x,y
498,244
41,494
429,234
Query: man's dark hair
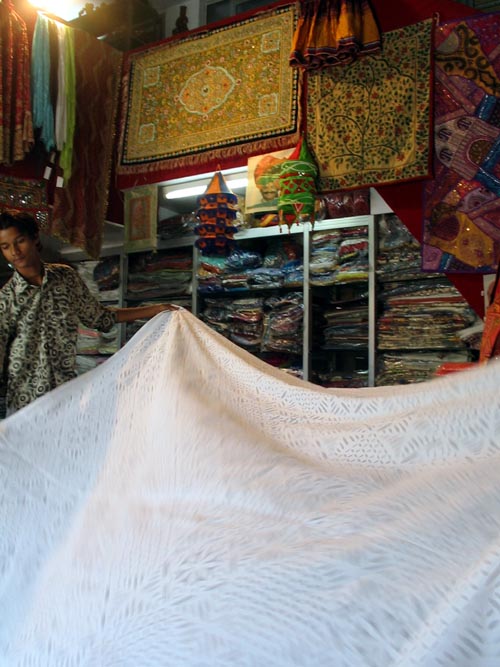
x,y
23,222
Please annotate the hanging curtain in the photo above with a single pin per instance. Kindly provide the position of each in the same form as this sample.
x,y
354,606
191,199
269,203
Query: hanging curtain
x,y
16,130
334,32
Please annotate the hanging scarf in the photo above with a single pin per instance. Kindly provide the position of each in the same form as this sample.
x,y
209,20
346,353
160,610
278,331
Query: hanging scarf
x,y
65,109
43,114
334,32
61,117
16,130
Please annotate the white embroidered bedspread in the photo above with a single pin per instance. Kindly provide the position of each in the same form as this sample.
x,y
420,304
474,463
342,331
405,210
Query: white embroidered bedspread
x,y
185,505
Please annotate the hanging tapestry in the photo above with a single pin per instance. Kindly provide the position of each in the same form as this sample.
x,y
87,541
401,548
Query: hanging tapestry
x,y
369,123
28,195
80,205
462,202
225,92
141,218
16,127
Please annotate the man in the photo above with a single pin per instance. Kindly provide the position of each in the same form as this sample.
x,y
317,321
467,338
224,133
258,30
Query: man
x,y
40,309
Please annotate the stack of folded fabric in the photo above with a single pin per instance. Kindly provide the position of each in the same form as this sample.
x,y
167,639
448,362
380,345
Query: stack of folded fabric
x,y
283,324
274,267
339,256
324,256
240,320
160,275
422,315
346,323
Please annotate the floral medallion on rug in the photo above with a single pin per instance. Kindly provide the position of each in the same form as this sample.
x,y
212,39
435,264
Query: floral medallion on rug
x,y
462,202
368,123
228,91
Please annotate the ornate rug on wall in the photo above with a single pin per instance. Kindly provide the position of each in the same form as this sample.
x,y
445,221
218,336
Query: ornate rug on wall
x,y
462,202
369,123
80,205
225,92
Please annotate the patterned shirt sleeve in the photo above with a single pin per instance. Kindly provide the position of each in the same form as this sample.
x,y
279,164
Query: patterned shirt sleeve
x,y
4,327
89,310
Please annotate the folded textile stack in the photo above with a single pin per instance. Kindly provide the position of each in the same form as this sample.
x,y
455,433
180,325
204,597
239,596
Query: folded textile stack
x,y
339,275
339,256
277,265
399,253
102,277
90,341
239,320
160,275
346,323
85,363
422,315
270,328
283,322
176,226
409,367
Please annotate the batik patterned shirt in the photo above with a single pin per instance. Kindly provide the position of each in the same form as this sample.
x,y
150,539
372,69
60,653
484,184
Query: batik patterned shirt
x,y
39,329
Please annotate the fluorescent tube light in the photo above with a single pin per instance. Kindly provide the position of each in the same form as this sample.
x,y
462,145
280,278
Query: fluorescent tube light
x,y
195,190
186,192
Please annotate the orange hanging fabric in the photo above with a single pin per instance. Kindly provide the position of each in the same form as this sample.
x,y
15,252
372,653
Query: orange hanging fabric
x,y
490,341
334,32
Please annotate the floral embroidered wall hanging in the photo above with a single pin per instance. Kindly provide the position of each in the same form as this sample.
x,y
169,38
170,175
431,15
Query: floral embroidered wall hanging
x,y
368,123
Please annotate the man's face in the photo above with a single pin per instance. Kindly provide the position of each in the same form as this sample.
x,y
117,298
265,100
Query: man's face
x,y
19,249
269,191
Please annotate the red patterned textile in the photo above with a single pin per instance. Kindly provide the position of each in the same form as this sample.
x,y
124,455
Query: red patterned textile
x,y
16,130
490,342
80,206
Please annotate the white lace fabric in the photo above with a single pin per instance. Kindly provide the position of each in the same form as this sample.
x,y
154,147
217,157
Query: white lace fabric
x,y
185,504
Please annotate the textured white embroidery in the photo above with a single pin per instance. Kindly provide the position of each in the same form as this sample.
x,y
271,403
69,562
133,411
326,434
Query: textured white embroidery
x,y
186,505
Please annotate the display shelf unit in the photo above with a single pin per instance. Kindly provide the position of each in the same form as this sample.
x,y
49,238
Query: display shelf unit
x,y
360,357
343,357
260,304
375,286
420,314
302,233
